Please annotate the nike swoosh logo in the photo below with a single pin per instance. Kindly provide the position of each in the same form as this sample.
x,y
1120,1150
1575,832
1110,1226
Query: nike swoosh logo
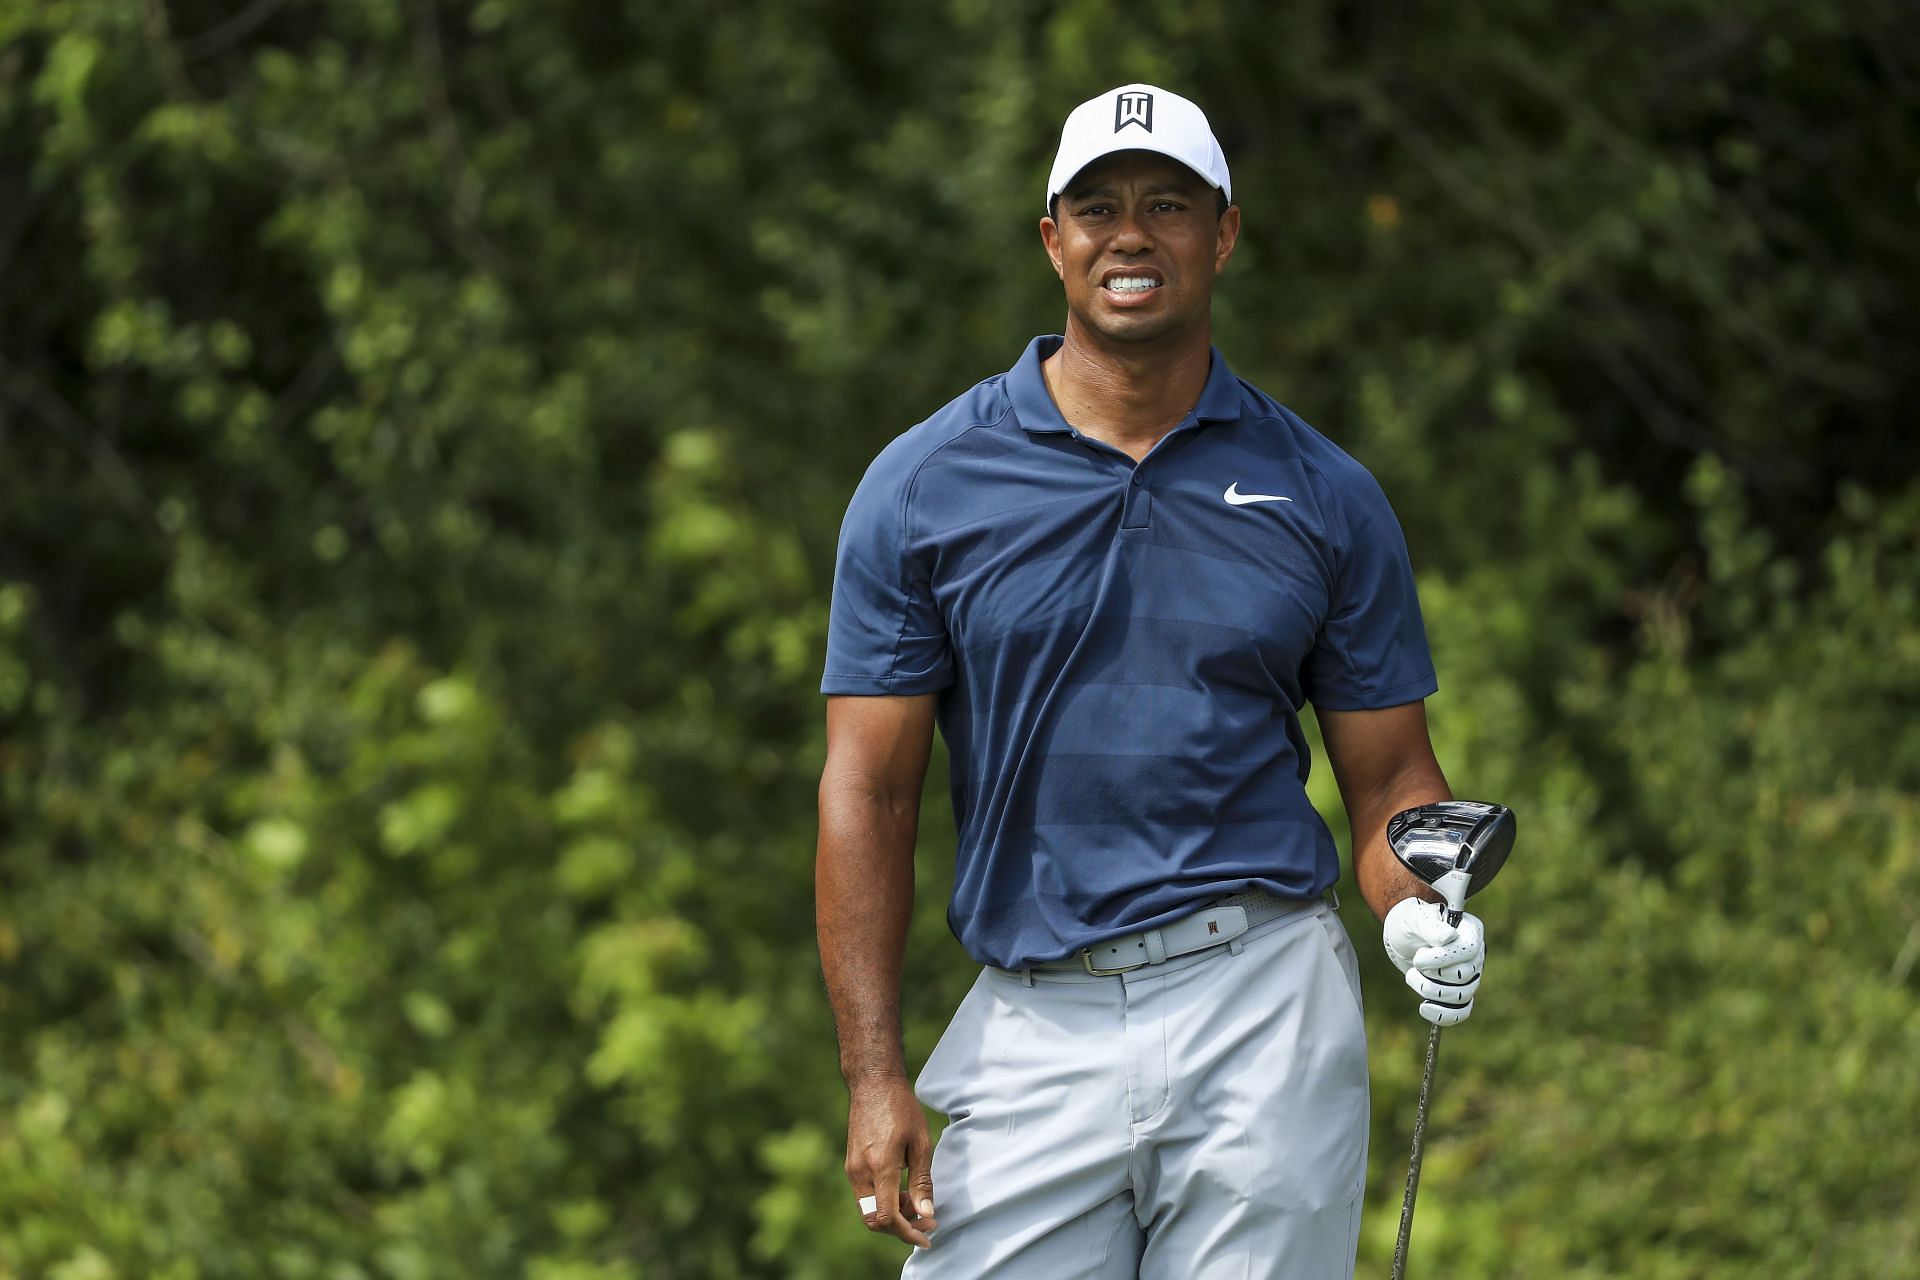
x,y
1238,499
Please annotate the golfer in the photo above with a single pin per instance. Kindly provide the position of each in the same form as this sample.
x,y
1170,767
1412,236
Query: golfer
x,y
1113,576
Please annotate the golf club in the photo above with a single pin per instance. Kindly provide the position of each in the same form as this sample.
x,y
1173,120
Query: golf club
x,y
1456,846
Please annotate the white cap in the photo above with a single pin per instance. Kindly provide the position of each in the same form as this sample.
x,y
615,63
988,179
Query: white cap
x,y
1138,117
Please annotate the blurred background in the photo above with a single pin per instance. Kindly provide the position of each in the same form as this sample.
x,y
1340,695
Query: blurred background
x,y
424,428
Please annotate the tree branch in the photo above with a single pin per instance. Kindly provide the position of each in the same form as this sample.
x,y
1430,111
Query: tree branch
x,y
223,35
86,439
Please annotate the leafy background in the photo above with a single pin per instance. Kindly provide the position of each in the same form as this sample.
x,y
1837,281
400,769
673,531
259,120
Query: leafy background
x,y
423,431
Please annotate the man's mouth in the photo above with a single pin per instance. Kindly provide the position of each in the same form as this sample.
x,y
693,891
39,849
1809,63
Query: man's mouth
x,y
1130,284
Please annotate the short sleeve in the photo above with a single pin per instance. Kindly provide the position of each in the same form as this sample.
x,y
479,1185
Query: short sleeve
x,y
884,635
1372,651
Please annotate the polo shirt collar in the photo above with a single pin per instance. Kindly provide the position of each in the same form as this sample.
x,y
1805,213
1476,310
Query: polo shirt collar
x,y
1033,405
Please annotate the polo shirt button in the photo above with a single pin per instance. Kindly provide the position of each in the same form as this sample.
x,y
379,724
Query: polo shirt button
x,y
1136,479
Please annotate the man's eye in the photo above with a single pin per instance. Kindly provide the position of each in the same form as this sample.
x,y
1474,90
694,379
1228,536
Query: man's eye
x,y
1094,211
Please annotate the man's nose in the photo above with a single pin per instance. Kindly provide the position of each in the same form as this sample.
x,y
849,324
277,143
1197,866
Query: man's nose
x,y
1131,236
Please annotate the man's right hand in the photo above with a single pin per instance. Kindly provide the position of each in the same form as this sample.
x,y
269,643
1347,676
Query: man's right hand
x,y
877,749
887,1132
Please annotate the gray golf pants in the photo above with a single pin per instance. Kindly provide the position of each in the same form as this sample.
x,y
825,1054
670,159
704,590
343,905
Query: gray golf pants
x,y
1199,1119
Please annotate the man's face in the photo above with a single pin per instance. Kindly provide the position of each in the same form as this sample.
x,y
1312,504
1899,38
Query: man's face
x,y
1137,241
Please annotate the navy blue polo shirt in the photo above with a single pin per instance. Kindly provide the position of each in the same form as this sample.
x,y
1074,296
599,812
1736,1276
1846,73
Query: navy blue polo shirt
x,y
1122,651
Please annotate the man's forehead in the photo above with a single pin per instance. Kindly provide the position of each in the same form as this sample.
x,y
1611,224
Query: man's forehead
x,y
1148,168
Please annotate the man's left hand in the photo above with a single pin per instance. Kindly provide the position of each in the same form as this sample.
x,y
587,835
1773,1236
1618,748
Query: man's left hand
x,y
1442,961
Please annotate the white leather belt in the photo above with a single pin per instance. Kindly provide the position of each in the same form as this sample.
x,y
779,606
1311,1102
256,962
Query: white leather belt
x,y
1214,925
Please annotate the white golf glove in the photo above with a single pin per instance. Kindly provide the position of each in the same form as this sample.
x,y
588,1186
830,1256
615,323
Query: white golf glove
x,y
1442,961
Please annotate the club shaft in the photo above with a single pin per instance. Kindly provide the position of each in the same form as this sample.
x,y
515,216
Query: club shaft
x,y
1413,1162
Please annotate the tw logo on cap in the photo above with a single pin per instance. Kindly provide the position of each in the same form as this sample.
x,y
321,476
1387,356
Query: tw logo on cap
x,y
1133,108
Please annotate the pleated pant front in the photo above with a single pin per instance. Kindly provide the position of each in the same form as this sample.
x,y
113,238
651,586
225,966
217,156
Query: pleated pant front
x,y
1200,1119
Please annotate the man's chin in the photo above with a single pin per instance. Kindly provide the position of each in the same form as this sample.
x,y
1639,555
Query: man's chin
x,y
1168,318
1132,329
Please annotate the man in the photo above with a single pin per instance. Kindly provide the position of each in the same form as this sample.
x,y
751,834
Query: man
x,y
1114,575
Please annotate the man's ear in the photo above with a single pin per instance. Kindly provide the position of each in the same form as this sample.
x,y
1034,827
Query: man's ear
x,y
1050,237
1229,236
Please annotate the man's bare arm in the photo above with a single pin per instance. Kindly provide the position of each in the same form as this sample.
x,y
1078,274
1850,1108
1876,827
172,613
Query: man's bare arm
x,y
1383,761
877,749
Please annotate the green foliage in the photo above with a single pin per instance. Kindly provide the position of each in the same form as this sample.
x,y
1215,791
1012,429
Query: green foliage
x,y
423,432
1704,1087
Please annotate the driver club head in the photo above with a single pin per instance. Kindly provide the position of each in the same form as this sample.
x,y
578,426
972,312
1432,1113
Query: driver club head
x,y
1435,840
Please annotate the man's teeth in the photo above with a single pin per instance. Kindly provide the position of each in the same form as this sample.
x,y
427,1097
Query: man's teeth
x,y
1132,284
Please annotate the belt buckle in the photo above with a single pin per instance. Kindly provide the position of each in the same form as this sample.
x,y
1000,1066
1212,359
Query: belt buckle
x,y
1086,958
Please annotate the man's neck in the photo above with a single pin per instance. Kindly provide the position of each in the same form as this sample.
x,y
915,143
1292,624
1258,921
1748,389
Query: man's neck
x,y
1126,398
